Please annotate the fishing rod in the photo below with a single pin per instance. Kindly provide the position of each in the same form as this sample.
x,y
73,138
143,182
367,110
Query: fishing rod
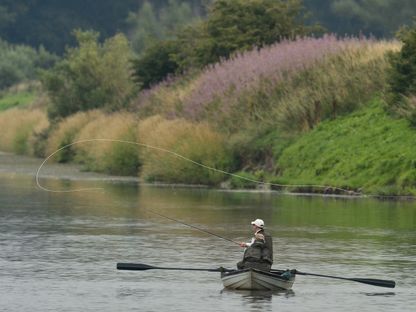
x,y
193,226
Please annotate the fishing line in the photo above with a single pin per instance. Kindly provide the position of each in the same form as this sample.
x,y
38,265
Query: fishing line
x,y
349,192
192,226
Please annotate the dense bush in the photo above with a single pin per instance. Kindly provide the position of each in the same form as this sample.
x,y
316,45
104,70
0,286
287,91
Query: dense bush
x,y
155,64
92,75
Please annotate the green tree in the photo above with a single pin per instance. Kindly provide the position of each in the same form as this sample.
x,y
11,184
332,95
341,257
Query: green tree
x,y
92,75
155,64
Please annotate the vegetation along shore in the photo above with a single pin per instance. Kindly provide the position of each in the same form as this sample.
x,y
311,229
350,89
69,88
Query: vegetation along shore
x,y
297,105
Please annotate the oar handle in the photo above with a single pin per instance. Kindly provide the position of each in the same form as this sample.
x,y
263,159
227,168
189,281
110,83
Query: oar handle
x,y
143,267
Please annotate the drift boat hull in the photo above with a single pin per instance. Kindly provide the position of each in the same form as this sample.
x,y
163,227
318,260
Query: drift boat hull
x,y
252,279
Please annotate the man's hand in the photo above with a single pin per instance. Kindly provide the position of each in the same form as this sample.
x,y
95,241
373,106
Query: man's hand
x,y
243,244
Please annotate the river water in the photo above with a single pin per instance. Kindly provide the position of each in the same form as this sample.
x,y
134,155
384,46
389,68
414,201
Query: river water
x,y
58,251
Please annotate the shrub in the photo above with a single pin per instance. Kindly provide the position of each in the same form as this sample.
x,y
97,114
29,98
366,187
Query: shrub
x,y
155,64
198,143
92,75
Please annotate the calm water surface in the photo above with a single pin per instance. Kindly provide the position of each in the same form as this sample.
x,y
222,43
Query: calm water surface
x,y
58,251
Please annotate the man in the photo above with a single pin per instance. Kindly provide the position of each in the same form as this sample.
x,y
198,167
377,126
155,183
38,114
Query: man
x,y
259,252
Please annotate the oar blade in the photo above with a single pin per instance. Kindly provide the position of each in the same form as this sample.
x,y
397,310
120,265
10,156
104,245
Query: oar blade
x,y
376,282
369,281
134,266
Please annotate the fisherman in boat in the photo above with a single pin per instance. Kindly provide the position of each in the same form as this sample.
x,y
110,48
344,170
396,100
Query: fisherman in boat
x,y
259,252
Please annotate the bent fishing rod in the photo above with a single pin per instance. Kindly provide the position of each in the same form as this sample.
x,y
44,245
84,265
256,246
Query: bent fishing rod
x,y
193,226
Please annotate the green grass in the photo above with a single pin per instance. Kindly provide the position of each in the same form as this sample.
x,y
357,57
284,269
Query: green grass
x,y
367,150
16,99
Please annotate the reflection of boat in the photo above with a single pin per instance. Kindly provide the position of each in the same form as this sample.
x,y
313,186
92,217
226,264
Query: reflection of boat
x,y
252,279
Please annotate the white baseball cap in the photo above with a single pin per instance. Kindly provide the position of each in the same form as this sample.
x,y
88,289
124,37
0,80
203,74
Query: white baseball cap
x,y
258,222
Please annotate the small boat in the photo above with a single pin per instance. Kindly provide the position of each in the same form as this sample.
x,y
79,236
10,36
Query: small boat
x,y
253,279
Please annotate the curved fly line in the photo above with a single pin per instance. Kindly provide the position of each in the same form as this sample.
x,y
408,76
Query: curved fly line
x,y
161,149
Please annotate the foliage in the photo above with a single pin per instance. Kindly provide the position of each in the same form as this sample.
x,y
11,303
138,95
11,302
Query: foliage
x,y
367,149
222,82
92,75
19,129
155,64
402,76
231,26
19,63
171,141
240,25
291,85
264,99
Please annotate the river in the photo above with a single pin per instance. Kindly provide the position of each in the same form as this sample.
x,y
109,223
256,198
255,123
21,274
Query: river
x,y
58,251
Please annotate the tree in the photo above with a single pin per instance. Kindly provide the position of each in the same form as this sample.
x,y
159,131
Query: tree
x,y
155,64
92,75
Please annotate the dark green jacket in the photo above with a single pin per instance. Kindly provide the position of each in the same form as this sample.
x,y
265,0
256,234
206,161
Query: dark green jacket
x,y
260,251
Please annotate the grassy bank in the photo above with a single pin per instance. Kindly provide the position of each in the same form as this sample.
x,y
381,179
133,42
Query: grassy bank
x,y
367,150
10,100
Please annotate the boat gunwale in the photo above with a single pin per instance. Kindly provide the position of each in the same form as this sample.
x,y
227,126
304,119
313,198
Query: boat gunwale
x,y
272,273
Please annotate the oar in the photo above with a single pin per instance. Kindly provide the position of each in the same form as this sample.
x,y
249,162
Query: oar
x,y
143,267
370,281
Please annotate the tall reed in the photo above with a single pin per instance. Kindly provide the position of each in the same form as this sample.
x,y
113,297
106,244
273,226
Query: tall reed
x,y
19,128
197,142
109,156
65,132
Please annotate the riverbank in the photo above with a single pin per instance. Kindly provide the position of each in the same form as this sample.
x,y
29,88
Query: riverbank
x,y
17,165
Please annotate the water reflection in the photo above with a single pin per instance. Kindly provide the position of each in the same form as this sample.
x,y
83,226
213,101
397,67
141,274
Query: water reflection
x,y
382,294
